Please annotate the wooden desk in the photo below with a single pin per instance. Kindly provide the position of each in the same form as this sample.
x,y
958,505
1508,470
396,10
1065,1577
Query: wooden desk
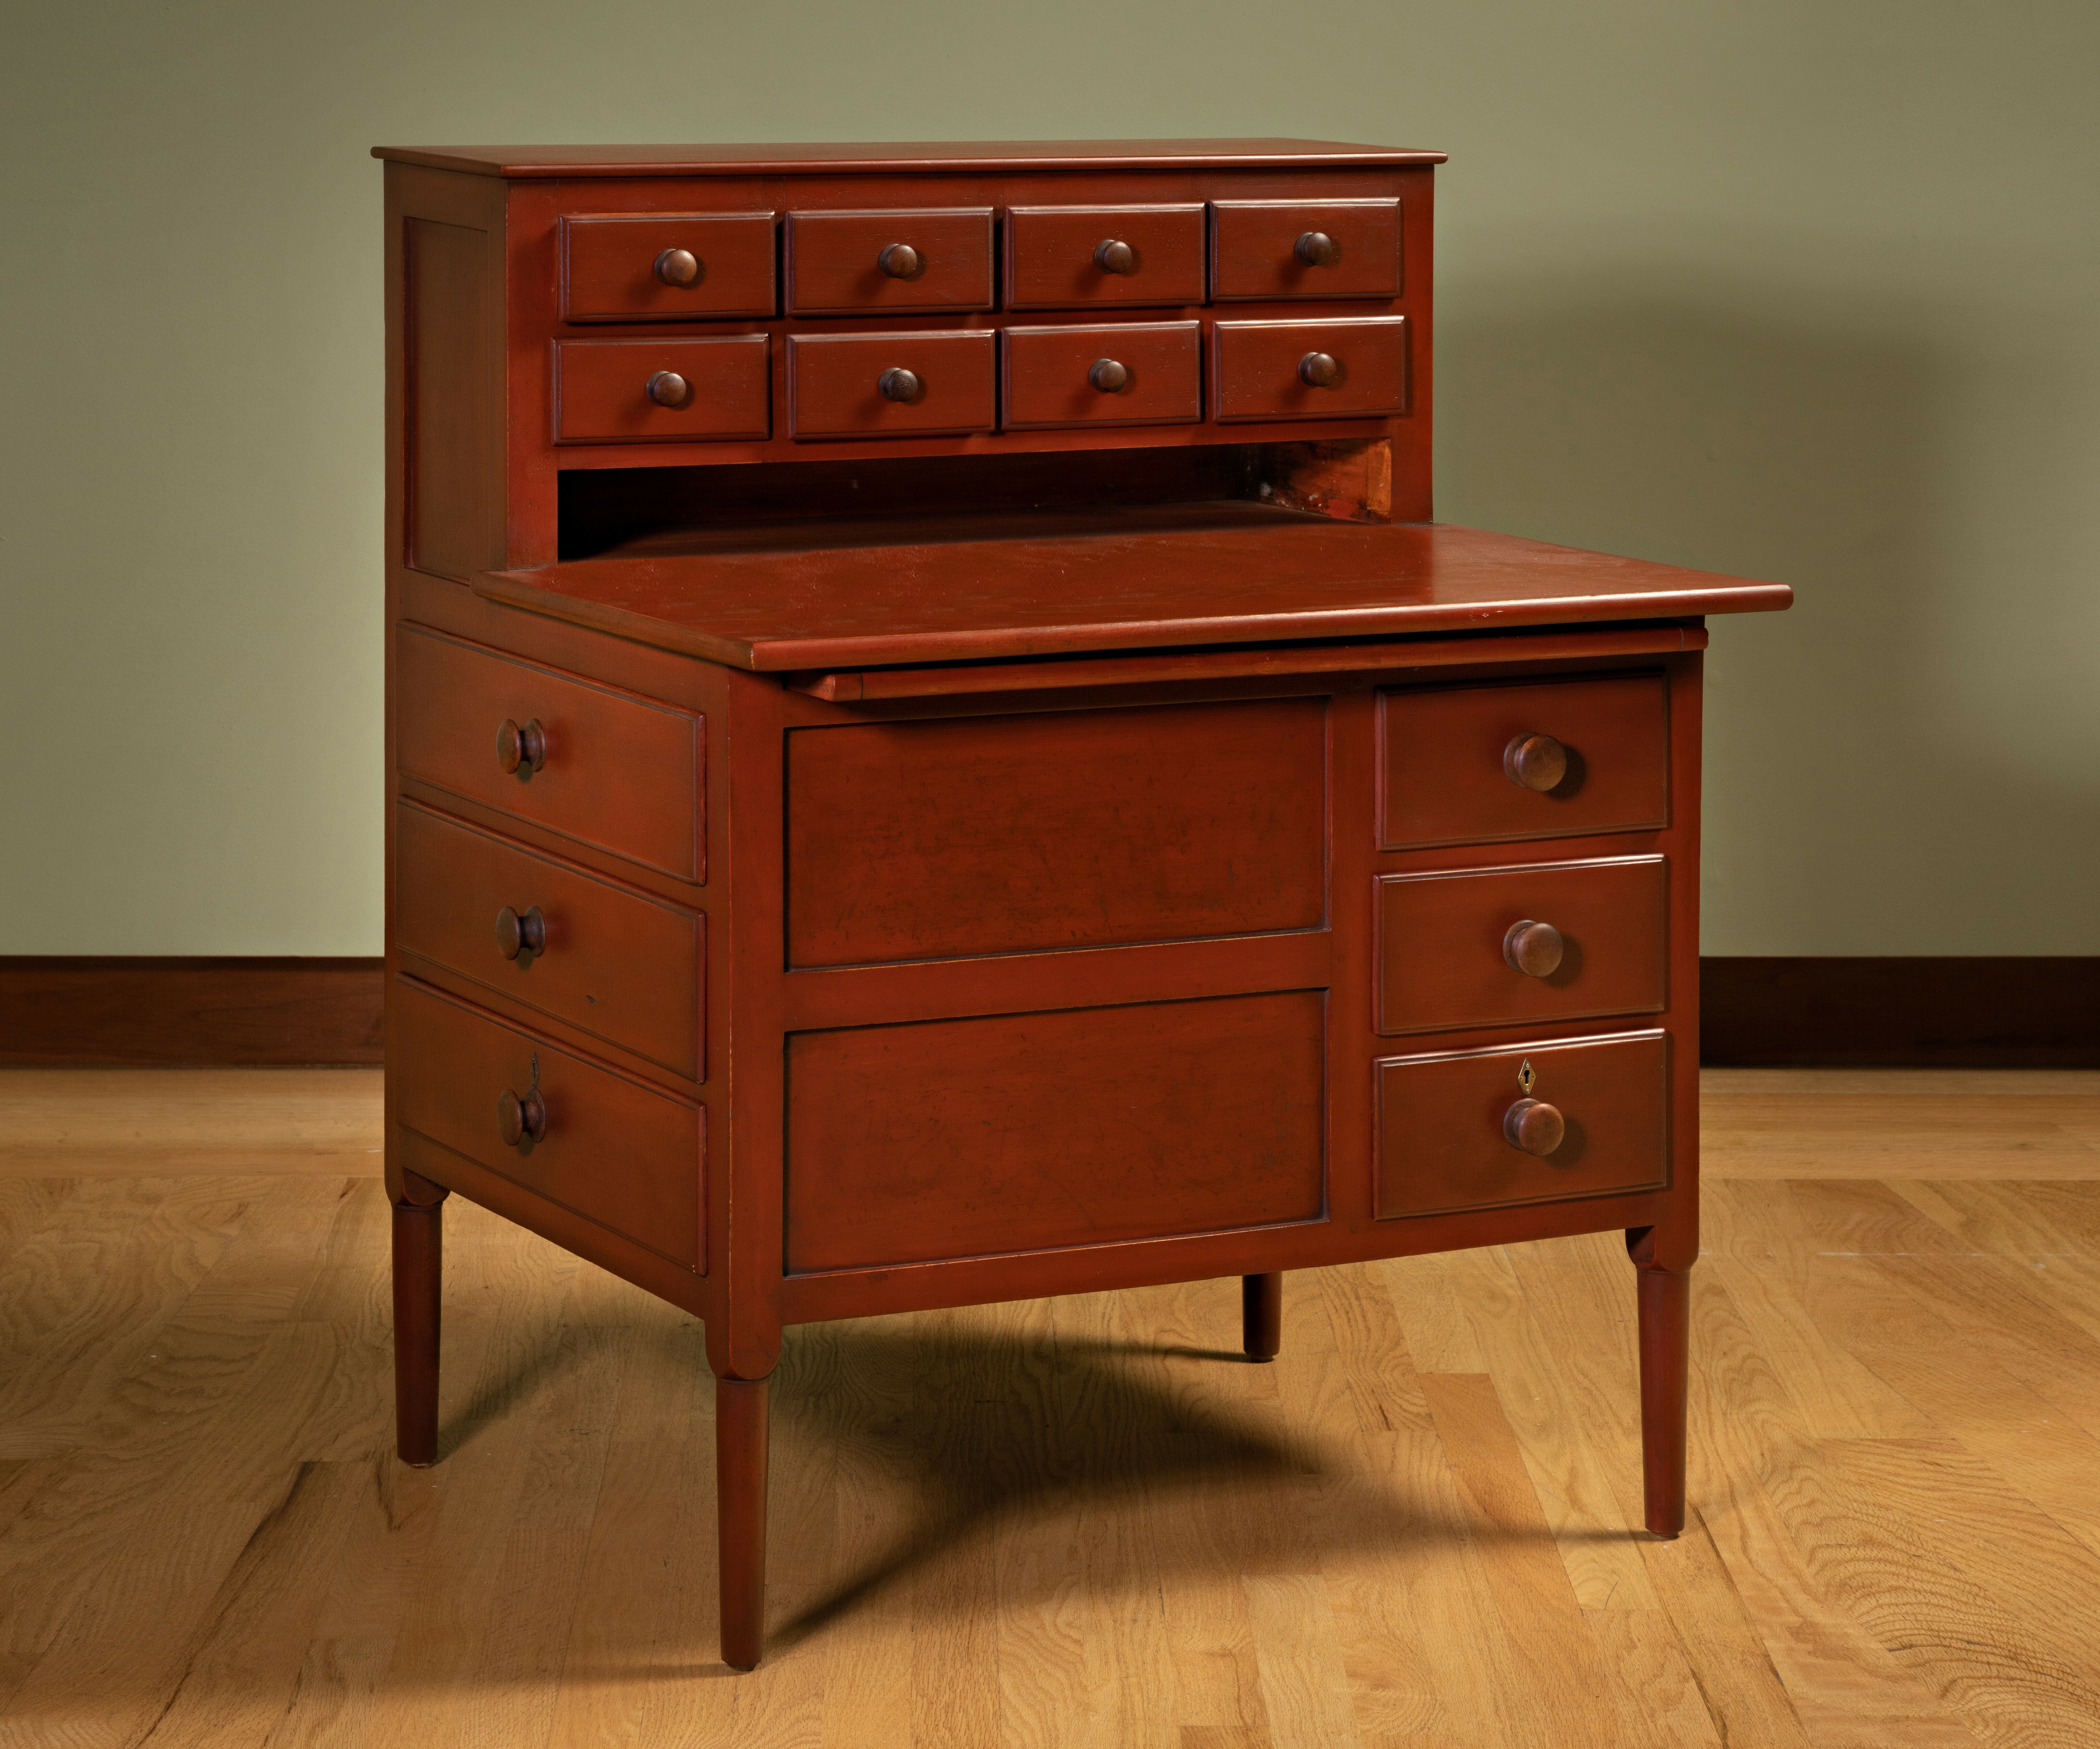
x,y
936,756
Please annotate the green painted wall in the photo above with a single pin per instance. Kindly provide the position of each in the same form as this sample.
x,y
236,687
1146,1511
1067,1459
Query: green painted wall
x,y
1803,291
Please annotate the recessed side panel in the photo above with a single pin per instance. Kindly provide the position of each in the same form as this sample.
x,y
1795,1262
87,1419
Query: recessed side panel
x,y
1445,1144
970,1138
1007,834
455,463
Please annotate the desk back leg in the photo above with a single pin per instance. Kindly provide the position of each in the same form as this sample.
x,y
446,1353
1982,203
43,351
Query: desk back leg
x,y
1261,1315
740,1432
418,1303
1665,1344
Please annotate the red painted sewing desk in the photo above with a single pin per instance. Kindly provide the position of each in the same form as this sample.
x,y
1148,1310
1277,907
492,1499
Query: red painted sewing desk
x,y
935,755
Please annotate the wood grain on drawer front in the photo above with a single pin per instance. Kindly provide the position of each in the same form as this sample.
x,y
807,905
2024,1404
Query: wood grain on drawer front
x,y
609,266
834,383
622,773
1026,1132
618,963
1254,246
1440,1148
617,1151
1261,367
834,261
1441,749
601,389
1441,960
1055,260
998,835
1050,377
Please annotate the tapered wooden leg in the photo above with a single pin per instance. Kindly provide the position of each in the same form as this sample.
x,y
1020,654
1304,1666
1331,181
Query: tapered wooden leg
x,y
1261,1315
740,1503
418,1302
1665,1344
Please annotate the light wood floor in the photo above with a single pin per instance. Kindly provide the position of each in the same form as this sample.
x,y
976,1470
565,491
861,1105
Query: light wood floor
x,y
1078,1521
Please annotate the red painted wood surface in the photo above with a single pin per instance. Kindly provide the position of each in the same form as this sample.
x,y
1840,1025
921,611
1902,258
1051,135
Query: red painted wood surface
x,y
609,266
1290,578
1006,835
621,773
1052,264
619,964
1254,249
1028,1132
834,261
1665,1300
1441,749
1048,379
1441,1145
601,389
1257,372
1261,1315
616,1151
418,1271
1440,959
741,1475
835,384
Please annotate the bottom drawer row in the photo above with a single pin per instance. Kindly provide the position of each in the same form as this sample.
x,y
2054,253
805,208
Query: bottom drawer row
x,y
990,1134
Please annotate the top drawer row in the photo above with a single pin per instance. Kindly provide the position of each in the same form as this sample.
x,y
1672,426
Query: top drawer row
x,y
699,266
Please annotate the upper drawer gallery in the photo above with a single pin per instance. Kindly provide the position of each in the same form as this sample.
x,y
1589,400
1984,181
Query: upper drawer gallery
x,y
662,267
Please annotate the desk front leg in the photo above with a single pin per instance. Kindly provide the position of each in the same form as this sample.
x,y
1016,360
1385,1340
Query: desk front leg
x,y
740,1453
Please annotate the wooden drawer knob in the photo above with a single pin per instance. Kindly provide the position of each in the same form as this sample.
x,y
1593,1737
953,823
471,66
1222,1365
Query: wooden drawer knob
x,y
1316,248
900,260
523,750
1113,255
521,938
1319,370
1108,375
678,267
521,1121
1533,949
668,388
897,384
1535,762
1532,1126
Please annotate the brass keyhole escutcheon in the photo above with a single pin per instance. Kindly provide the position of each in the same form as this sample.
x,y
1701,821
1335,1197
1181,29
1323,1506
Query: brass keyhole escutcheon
x,y
1527,1077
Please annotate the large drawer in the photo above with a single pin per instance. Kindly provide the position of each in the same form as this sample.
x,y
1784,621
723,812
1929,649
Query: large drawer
x,y
617,963
604,768
1002,834
1443,1119
1499,947
1011,1133
617,1151
1460,765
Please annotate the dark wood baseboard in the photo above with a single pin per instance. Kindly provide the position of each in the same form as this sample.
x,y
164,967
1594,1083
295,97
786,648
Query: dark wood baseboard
x,y
1984,1013
1908,1012
165,1012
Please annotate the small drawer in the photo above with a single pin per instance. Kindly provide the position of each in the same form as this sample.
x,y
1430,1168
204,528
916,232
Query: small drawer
x,y
935,258
1147,373
662,391
1354,368
604,768
901,385
1462,765
614,1150
1445,1124
659,266
1501,947
1067,257
1305,248
617,963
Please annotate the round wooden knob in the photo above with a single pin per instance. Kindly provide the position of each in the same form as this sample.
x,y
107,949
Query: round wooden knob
x,y
1316,248
1533,949
521,1121
1532,1126
897,384
523,750
1108,375
668,388
520,937
678,267
1113,255
1319,370
1535,762
900,260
